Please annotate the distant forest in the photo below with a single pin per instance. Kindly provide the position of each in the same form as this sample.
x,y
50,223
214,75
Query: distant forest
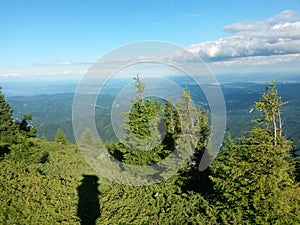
x,y
53,111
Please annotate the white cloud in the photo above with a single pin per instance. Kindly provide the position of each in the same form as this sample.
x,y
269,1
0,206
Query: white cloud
x,y
12,75
270,41
45,73
63,63
282,18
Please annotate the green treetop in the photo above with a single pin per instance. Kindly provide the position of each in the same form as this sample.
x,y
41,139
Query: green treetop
x,y
253,176
141,87
142,122
7,126
188,134
61,137
269,105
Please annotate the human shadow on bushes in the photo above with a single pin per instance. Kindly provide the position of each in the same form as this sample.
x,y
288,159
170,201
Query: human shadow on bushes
x,y
88,205
4,149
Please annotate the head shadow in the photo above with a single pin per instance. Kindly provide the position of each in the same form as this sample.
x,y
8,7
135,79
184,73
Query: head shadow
x,y
4,149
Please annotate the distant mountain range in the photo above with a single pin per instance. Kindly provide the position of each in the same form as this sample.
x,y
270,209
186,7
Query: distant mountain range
x,y
50,102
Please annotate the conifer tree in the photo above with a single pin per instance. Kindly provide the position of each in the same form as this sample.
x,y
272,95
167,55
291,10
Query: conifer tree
x,y
26,128
253,176
172,122
61,137
141,87
187,140
194,130
87,140
188,133
269,105
142,122
7,126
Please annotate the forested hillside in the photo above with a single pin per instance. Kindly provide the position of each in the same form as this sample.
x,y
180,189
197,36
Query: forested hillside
x,y
252,180
54,110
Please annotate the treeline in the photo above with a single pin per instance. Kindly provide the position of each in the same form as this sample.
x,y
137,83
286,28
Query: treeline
x,y
252,180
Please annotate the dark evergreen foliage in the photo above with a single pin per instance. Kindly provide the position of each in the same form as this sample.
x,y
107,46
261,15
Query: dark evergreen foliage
x,y
7,126
61,137
253,176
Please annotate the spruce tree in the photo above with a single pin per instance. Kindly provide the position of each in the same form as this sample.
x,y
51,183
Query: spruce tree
x,y
61,137
194,131
26,128
172,122
87,140
188,133
141,128
269,105
253,176
7,126
186,141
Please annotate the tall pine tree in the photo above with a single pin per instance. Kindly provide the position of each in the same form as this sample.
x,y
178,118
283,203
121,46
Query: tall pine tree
x,y
253,176
7,127
61,137
270,105
142,142
188,133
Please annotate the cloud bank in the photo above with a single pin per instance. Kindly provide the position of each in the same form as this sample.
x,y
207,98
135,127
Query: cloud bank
x,y
271,41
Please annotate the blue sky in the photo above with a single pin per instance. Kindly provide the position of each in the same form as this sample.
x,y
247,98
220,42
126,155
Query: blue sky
x,y
41,37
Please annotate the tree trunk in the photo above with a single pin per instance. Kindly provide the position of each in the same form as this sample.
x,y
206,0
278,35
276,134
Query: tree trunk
x,y
280,123
275,129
